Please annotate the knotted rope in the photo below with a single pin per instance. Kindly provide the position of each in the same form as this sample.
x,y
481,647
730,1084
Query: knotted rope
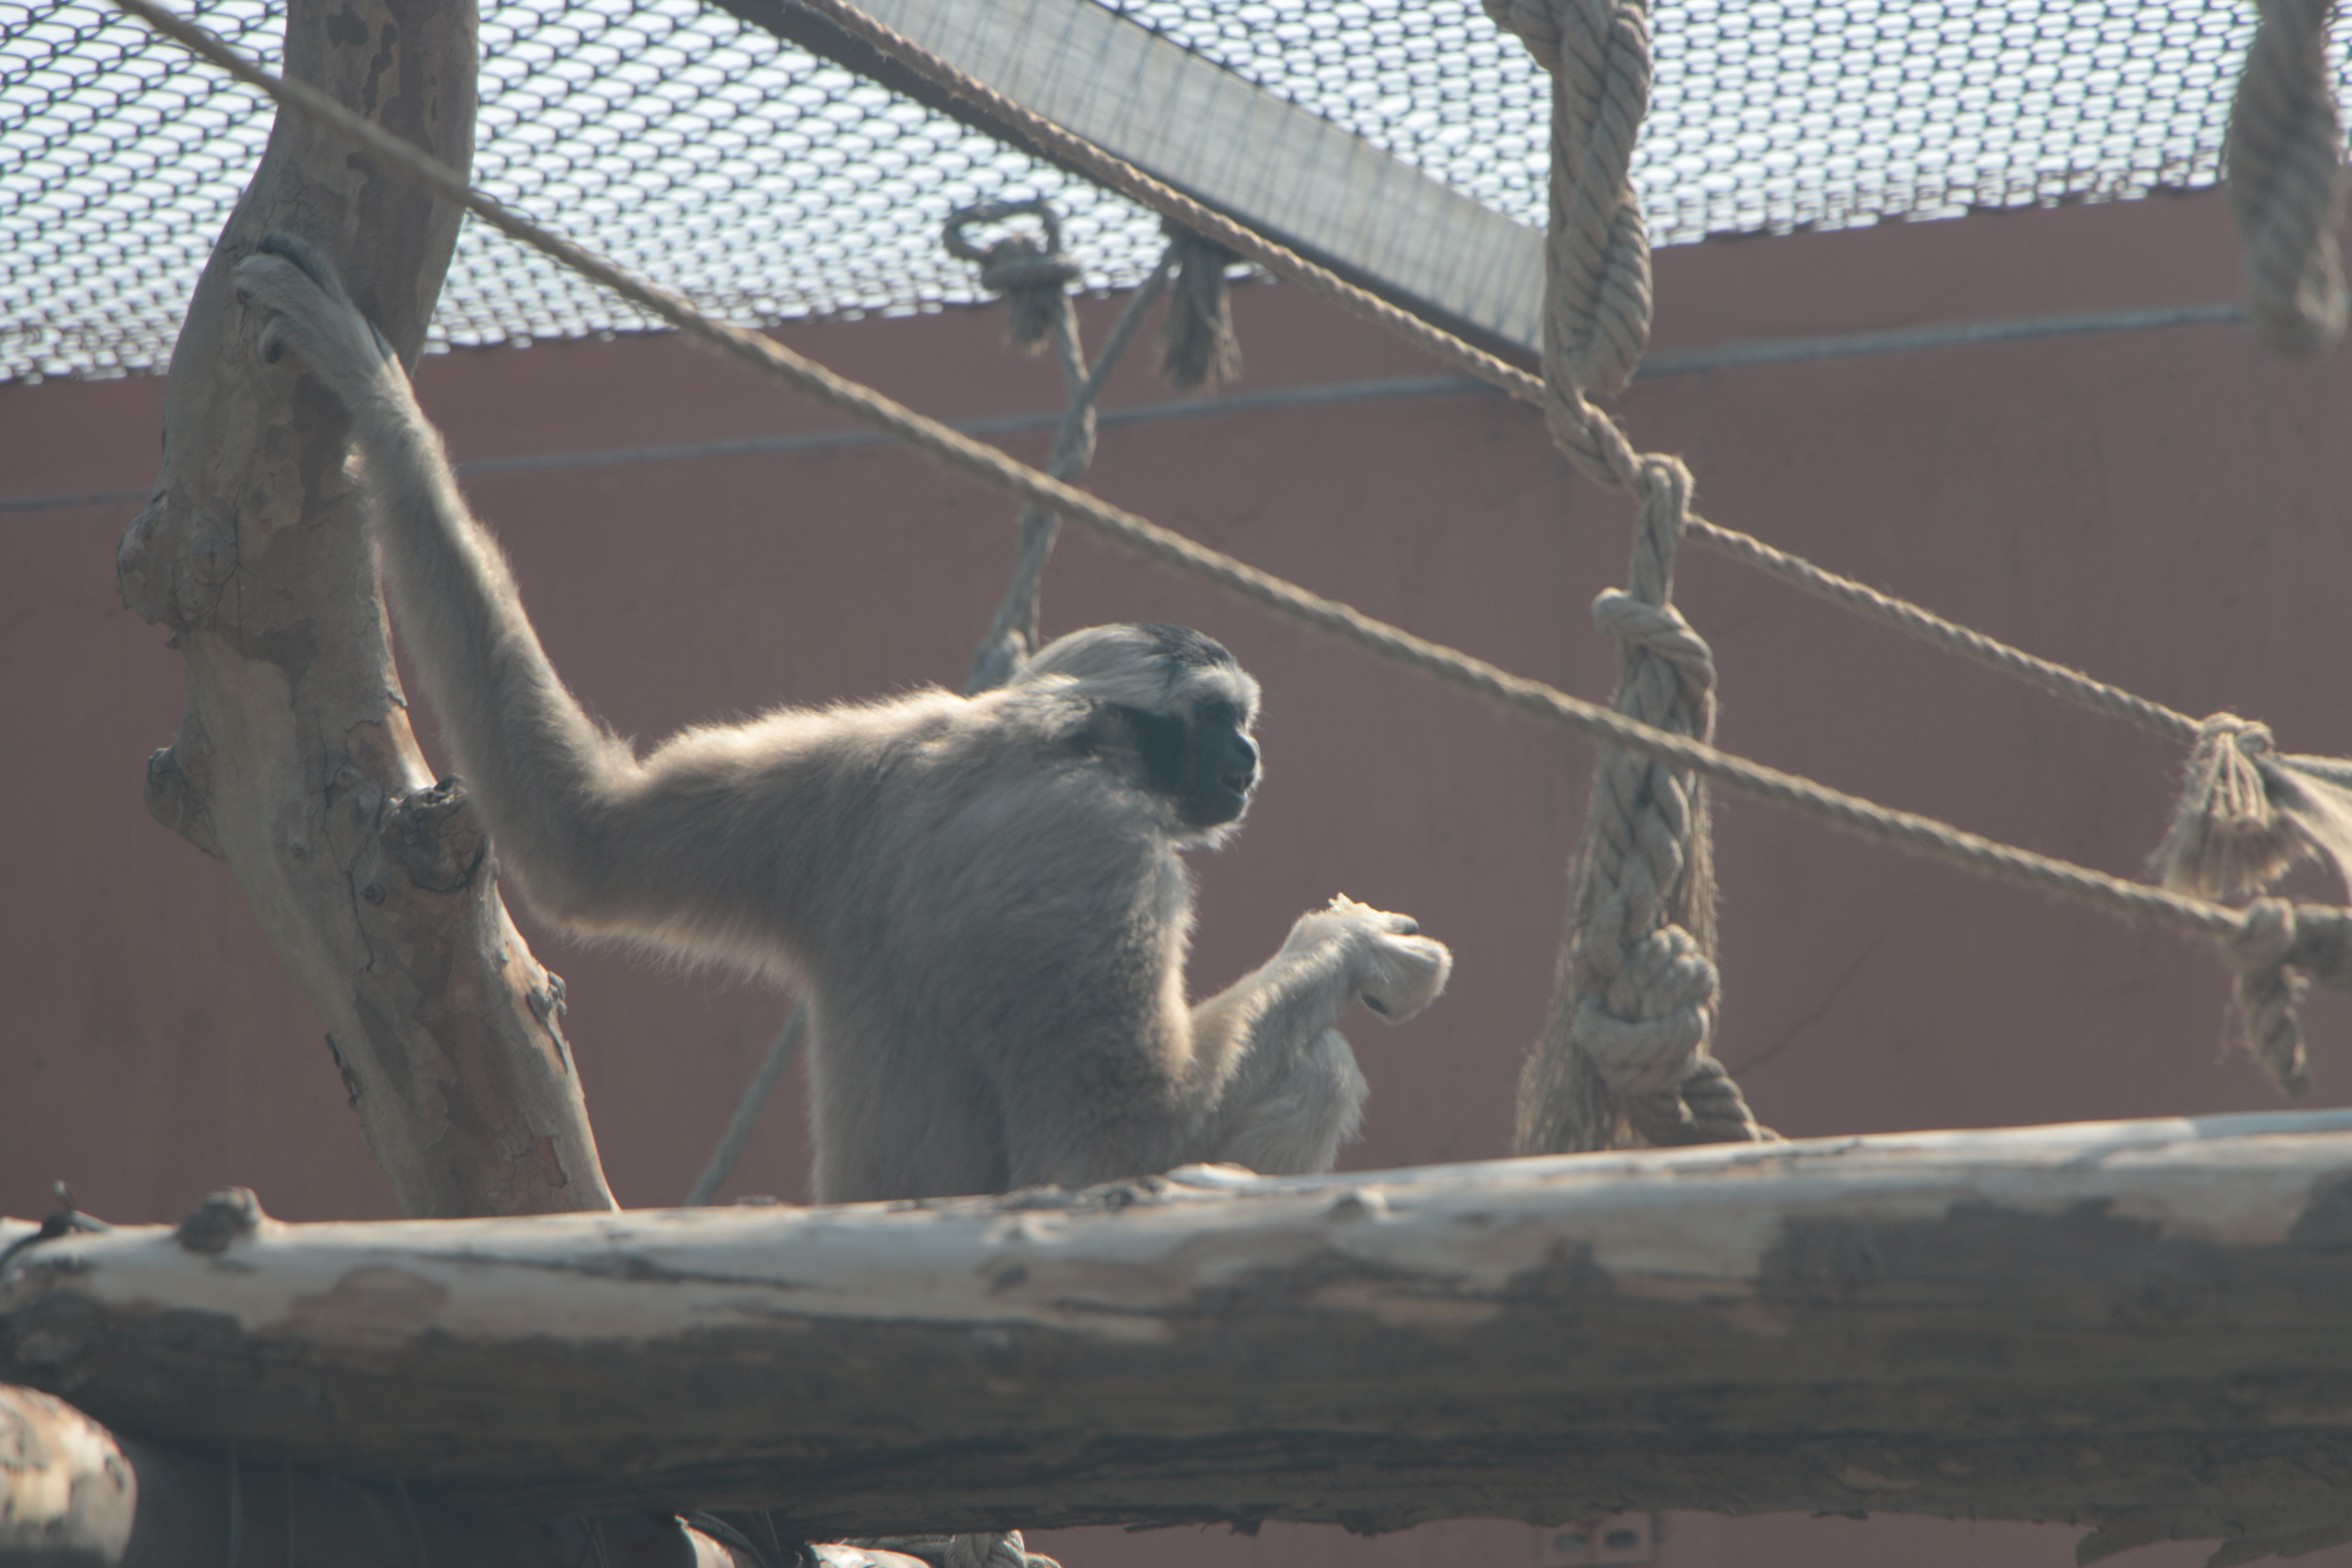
x,y
2248,812
1636,992
2283,164
2278,950
1597,251
1034,276
1197,346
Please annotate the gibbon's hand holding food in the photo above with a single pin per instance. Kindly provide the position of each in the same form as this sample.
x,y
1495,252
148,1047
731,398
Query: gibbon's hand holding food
x,y
982,898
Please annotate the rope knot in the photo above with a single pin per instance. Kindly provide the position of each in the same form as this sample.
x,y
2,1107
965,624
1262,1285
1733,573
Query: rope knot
x,y
1034,276
2270,992
1646,1034
2248,812
1197,346
1658,629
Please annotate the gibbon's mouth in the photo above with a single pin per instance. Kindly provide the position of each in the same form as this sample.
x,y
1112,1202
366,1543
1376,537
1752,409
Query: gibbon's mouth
x,y
1224,800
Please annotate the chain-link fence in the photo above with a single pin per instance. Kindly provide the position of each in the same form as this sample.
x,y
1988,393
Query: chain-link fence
x,y
768,185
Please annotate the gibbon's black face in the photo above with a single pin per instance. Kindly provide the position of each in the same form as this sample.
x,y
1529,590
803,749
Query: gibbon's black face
x,y
1202,758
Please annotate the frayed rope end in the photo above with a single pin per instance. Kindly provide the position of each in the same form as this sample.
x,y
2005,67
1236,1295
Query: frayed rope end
x,y
2248,814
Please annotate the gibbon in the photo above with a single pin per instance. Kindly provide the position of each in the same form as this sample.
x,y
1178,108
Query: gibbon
x,y
981,898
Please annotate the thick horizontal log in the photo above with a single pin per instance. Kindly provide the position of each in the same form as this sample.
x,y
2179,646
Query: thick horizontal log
x,y
2149,1324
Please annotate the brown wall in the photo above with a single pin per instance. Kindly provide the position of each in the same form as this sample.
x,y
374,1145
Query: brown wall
x,y
2162,507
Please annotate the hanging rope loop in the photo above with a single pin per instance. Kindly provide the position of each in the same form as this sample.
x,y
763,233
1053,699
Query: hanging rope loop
x,y
1597,299
1197,346
1034,276
2283,166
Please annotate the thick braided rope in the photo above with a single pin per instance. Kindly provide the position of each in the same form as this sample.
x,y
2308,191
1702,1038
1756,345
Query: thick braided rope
x,y
1596,252
1636,993
1921,835
1636,996
2284,169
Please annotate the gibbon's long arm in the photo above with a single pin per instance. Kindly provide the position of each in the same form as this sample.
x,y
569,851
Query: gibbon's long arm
x,y
602,840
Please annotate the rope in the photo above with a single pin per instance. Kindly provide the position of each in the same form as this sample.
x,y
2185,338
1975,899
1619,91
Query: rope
x,y
2283,164
1596,252
764,1077
1637,993
1197,346
1014,635
1921,835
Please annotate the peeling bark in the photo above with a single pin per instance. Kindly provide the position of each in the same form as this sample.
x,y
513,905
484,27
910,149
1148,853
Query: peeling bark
x,y
2147,1326
295,761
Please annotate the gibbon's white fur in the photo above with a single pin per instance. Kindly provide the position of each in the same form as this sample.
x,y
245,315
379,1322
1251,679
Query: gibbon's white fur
x,y
982,898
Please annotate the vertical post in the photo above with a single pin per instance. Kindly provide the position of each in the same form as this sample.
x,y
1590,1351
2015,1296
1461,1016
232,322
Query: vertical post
x,y
294,760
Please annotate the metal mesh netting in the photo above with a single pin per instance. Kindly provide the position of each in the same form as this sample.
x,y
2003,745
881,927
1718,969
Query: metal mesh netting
x,y
1768,117
769,185
683,143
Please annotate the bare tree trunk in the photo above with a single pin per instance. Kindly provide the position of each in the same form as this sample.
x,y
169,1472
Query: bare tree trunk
x,y
295,761
2143,1324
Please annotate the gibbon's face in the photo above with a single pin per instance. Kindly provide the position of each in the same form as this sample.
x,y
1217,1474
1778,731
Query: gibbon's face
x,y
1225,766
1198,751
1188,703
1201,757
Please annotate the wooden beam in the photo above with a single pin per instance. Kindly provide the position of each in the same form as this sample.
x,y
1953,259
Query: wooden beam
x,y
2146,1323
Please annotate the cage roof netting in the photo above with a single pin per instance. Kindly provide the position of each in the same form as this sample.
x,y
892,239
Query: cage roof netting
x,y
767,185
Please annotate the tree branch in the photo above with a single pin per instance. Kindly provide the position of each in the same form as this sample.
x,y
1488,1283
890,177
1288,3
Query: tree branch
x,y
295,761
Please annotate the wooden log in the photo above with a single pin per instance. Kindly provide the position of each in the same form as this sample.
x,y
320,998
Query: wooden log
x,y
74,1495
2148,1324
294,760
67,1492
